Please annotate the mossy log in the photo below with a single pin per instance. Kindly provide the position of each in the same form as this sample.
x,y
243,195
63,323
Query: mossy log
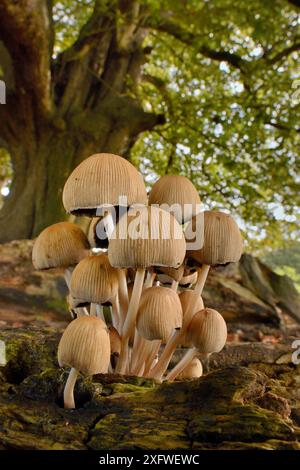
x,y
251,401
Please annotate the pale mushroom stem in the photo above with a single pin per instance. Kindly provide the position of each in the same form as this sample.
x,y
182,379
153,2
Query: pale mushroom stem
x,y
93,310
99,311
67,276
140,355
152,356
137,348
158,371
115,313
182,364
69,402
123,295
129,323
149,280
174,285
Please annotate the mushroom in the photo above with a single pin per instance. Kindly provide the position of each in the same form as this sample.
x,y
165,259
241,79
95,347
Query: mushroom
x,y
220,243
61,245
189,278
159,314
193,370
207,332
95,281
186,298
146,236
85,347
176,194
100,185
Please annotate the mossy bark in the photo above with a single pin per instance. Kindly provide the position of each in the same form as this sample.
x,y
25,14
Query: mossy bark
x,y
232,407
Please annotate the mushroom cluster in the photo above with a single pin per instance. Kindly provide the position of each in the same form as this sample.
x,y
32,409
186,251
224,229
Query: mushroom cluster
x,y
135,280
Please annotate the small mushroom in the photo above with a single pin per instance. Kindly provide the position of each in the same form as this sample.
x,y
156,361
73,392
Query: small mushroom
x,y
207,332
157,241
60,245
176,194
85,347
193,370
95,281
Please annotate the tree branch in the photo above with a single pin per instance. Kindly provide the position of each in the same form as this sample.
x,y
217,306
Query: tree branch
x,y
284,53
26,31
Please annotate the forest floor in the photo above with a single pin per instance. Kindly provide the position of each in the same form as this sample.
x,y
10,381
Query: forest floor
x,y
248,397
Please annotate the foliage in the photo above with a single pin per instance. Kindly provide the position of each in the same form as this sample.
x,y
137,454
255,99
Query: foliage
x,y
286,261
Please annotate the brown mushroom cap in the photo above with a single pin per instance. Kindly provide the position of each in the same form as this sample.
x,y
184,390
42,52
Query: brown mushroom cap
x,y
223,241
60,245
179,190
85,346
207,331
159,241
94,280
193,370
185,297
102,179
159,313
171,273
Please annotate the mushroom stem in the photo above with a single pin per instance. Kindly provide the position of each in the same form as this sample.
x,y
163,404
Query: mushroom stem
x,y
115,313
123,296
99,311
69,402
140,355
67,276
155,346
182,364
129,323
158,371
109,225
149,280
174,285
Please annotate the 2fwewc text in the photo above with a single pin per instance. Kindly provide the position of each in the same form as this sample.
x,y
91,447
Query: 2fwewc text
x,y
150,459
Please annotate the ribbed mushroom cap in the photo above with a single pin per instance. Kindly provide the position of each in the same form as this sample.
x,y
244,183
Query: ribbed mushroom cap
x,y
193,370
185,297
159,313
60,245
94,280
147,236
102,179
207,331
85,346
115,340
177,191
223,241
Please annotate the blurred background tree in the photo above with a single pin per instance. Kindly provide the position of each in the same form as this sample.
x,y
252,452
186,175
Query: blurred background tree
x,y
201,88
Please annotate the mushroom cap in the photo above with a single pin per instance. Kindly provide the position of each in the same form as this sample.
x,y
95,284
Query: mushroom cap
x,y
193,370
94,280
179,192
207,331
60,245
185,297
147,236
223,241
115,340
85,346
159,313
101,179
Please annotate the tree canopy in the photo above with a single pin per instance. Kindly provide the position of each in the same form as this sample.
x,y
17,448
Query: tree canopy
x,y
224,76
